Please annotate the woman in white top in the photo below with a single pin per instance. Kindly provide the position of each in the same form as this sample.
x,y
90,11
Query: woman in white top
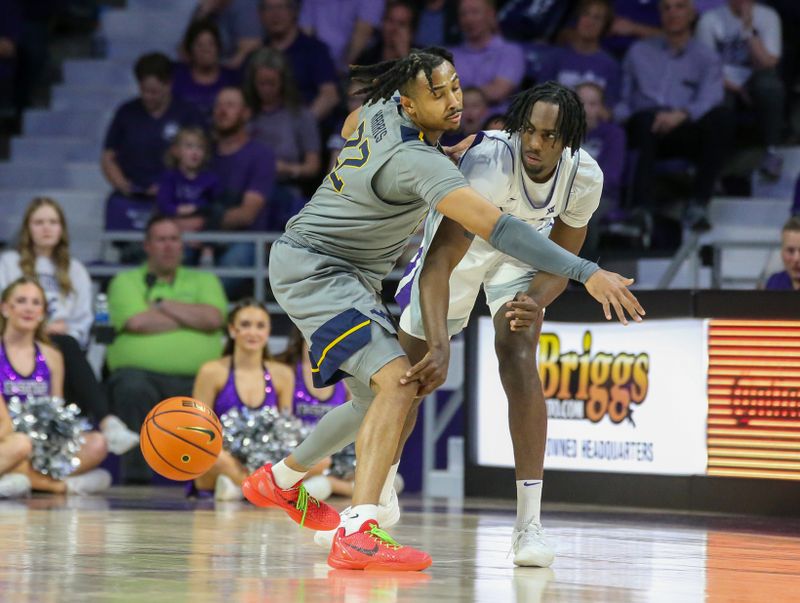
x,y
42,253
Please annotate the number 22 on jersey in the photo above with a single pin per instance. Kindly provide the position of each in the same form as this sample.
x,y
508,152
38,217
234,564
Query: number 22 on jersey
x,y
358,157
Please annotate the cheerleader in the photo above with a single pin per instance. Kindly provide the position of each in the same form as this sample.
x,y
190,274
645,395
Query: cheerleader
x,y
30,367
245,377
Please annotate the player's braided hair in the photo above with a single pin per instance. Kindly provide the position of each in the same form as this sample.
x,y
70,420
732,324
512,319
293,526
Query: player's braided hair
x,y
571,125
382,79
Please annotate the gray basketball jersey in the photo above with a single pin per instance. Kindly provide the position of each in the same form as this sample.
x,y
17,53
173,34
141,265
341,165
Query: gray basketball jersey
x,y
385,181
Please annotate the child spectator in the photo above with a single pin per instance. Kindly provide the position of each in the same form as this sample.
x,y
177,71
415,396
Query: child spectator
x,y
43,254
187,190
29,366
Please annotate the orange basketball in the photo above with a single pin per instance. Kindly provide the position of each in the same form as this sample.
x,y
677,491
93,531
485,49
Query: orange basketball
x,y
181,438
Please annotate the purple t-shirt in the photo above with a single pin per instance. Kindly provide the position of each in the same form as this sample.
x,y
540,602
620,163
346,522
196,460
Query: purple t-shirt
x,y
312,65
640,11
251,168
333,22
480,66
290,134
176,189
606,143
202,96
141,140
656,77
571,68
780,281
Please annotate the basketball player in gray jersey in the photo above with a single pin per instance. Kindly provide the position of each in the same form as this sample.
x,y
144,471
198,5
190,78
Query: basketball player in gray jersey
x,y
326,273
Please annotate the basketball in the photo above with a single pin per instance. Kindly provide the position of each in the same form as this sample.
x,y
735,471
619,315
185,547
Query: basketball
x,y
181,438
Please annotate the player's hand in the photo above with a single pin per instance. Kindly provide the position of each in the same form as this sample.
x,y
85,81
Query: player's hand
x,y
457,150
522,312
430,372
611,290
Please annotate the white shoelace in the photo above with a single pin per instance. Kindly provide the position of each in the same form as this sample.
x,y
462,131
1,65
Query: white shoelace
x,y
532,531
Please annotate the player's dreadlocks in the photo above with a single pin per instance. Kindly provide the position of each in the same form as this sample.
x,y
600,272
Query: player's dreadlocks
x,y
571,124
381,80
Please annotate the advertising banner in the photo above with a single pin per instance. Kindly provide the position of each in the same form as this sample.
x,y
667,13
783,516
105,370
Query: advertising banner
x,y
619,399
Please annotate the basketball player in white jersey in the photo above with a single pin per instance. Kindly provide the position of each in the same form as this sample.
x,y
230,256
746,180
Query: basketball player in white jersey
x,y
536,171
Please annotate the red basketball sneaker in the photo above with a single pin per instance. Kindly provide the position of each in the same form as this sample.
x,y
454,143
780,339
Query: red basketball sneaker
x,y
261,490
372,549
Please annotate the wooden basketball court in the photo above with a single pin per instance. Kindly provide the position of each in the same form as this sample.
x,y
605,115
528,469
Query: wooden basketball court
x,y
153,545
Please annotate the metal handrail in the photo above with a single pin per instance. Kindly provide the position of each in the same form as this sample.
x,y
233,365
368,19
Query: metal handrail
x,y
259,272
689,248
716,269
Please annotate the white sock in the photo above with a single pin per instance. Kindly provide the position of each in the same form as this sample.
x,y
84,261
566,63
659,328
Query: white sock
x,y
386,492
286,477
529,502
357,516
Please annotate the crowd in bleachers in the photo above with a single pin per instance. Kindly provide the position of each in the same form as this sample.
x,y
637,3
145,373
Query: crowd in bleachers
x,y
672,87
235,133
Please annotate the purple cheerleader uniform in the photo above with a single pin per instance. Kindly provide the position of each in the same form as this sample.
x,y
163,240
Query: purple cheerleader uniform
x,y
308,408
24,386
228,398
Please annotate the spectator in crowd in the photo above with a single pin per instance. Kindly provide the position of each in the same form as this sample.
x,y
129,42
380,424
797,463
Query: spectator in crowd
x,y
527,20
345,26
15,448
245,377
187,190
605,141
237,20
10,31
33,49
136,141
394,39
29,366
582,59
282,123
633,20
168,320
795,210
485,59
474,114
201,77
246,169
747,37
672,94
789,279
43,255
312,65
437,24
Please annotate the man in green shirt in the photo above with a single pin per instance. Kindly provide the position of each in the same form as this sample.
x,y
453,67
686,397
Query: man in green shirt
x,y
168,321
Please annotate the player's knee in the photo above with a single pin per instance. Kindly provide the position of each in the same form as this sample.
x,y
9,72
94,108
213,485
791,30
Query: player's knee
x,y
516,346
387,380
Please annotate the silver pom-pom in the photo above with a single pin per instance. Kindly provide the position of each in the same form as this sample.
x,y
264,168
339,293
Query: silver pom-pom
x,y
259,436
56,431
343,463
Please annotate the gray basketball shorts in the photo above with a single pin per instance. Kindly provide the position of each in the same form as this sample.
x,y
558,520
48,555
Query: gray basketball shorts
x,y
349,331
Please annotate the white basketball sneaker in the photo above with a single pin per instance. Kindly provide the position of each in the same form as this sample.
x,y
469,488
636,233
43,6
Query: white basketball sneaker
x,y
530,547
388,515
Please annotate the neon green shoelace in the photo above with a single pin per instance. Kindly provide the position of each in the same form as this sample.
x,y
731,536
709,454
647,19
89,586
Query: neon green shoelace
x,y
384,536
303,498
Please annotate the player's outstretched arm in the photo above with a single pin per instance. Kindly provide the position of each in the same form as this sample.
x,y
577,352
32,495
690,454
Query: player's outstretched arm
x,y
448,246
520,240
